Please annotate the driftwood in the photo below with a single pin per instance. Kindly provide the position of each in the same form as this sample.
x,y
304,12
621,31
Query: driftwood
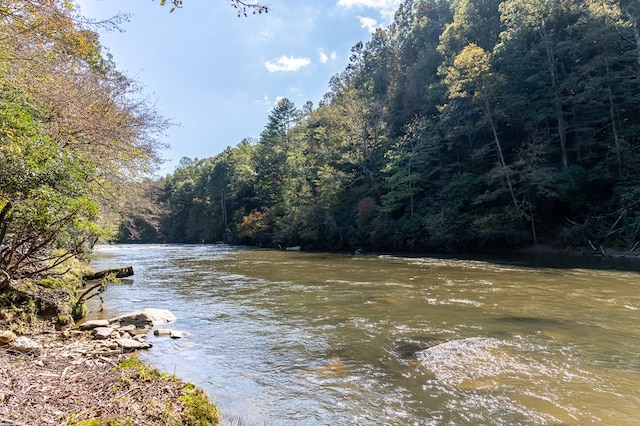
x,y
126,271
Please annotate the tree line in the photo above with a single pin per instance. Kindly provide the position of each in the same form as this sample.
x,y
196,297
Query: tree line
x,y
464,124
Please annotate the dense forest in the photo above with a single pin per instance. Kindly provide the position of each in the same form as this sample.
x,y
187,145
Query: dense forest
x,y
465,124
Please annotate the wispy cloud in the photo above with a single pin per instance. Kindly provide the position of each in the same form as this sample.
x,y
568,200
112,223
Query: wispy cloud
x,y
386,8
267,103
369,23
324,58
287,63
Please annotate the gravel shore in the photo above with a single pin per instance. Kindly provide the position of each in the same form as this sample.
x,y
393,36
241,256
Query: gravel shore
x,y
74,379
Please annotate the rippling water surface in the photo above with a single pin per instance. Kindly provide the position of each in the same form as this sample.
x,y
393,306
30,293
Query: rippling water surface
x,y
296,338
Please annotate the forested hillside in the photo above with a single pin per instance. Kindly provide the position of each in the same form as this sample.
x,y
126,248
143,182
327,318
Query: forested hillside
x,y
465,124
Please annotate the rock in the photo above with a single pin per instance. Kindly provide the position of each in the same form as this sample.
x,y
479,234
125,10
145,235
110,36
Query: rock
x,y
411,347
24,344
473,362
145,317
132,345
144,331
177,334
7,337
174,334
127,328
102,332
108,345
91,324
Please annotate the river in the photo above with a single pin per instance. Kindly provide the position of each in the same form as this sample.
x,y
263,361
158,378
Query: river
x,y
297,338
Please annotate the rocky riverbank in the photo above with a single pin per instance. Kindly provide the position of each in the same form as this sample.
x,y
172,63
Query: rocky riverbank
x,y
87,376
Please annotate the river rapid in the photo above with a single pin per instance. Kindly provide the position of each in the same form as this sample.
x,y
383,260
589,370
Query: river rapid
x,y
297,338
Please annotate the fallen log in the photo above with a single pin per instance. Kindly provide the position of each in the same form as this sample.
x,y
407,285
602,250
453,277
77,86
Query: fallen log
x,y
123,272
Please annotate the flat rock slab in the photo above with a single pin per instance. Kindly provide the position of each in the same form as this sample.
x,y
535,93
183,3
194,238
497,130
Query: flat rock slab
x,y
91,324
145,317
132,345
102,332
24,344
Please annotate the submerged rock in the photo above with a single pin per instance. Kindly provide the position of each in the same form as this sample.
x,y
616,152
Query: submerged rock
x,y
475,362
411,347
174,334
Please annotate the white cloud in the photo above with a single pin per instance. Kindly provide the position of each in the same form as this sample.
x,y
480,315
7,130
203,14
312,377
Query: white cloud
x,y
324,58
369,23
267,103
386,8
287,63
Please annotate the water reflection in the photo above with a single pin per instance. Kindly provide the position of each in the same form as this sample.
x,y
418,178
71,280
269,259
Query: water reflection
x,y
306,338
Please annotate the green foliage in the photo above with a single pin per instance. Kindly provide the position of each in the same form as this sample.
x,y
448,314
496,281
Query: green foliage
x,y
140,370
17,313
197,408
465,124
72,131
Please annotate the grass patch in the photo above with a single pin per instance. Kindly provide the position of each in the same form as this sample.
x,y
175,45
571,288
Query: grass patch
x,y
193,406
197,408
139,371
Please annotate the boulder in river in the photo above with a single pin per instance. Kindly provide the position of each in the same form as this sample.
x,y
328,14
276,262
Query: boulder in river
x,y
145,318
411,347
174,334
476,362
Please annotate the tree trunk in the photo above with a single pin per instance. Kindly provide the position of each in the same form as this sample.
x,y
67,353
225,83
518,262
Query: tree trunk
x,y
562,127
5,279
503,163
636,32
116,272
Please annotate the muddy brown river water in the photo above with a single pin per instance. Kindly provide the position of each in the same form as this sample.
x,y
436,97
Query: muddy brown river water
x,y
297,338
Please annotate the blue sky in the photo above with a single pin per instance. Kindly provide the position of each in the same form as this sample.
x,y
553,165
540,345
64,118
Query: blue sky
x,y
217,76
